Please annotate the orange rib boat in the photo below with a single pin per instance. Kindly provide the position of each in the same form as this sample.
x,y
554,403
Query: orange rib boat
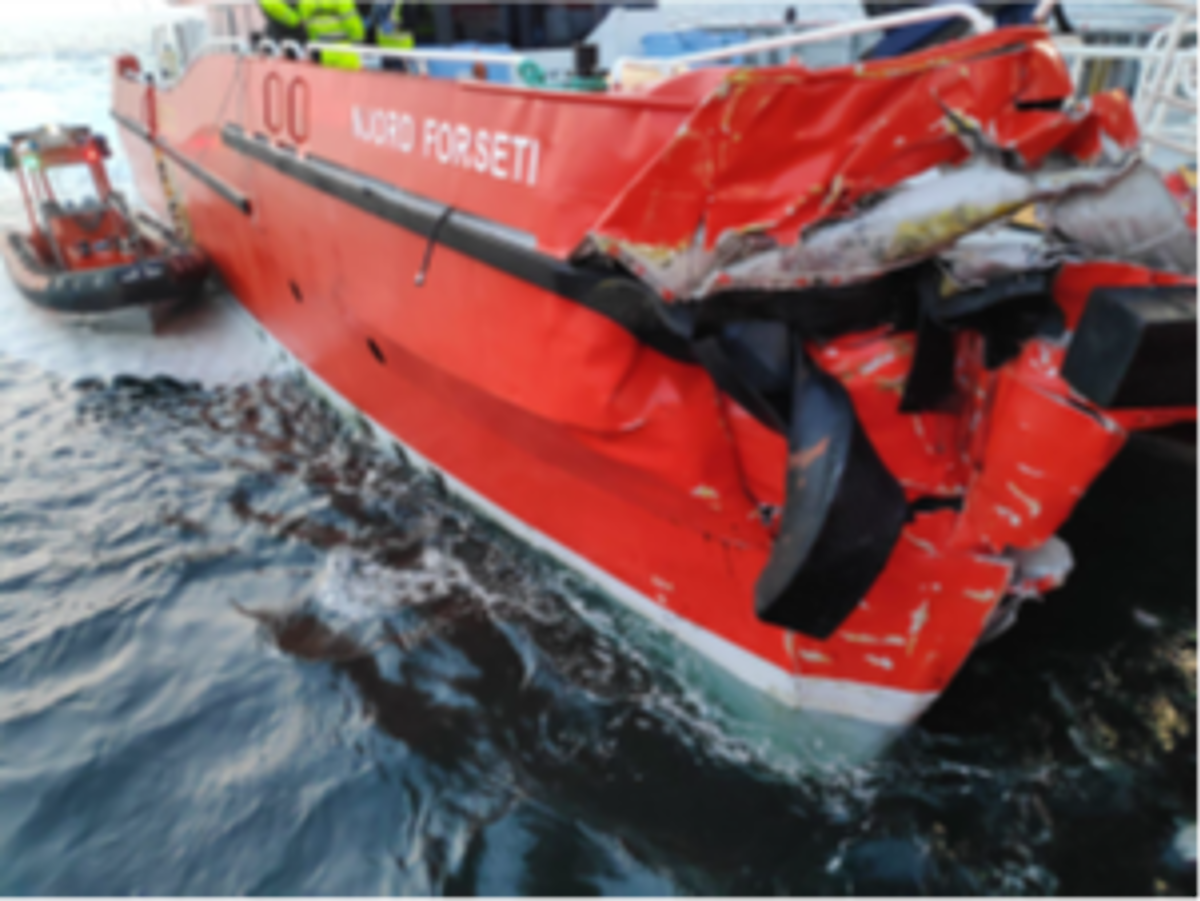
x,y
87,258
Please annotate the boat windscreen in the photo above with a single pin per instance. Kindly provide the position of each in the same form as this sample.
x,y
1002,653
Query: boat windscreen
x,y
72,184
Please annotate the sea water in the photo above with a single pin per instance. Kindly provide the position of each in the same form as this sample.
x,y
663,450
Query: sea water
x,y
244,651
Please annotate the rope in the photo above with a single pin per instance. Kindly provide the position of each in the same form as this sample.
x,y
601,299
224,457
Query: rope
x,y
175,207
175,210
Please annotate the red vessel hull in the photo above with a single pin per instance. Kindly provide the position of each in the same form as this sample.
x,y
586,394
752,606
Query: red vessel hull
x,y
624,462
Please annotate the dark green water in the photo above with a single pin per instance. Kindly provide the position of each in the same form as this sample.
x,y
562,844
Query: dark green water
x,y
242,652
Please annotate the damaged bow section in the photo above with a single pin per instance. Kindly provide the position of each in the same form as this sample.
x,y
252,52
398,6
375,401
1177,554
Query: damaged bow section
x,y
952,288
786,179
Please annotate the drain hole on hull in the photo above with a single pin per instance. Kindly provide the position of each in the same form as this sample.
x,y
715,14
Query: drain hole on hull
x,y
375,351
296,292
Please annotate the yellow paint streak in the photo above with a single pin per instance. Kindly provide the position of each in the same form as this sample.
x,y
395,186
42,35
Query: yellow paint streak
x,y
660,254
1027,216
918,236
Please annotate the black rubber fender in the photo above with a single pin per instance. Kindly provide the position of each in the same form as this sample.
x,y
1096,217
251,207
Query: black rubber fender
x,y
1135,347
843,513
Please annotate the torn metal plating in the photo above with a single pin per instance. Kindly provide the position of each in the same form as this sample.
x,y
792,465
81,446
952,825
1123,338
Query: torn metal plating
x,y
1136,220
846,188
999,252
916,221
913,223
1116,211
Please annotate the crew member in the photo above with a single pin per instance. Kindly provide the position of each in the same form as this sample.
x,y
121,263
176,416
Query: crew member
x,y
283,20
385,26
419,19
337,24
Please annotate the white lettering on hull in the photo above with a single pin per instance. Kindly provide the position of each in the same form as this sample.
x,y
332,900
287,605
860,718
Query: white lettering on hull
x,y
498,154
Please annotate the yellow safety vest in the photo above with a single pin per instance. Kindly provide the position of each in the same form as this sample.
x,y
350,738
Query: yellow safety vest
x,y
333,22
393,37
281,11
399,40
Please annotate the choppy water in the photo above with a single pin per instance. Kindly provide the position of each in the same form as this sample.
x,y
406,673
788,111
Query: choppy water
x,y
243,652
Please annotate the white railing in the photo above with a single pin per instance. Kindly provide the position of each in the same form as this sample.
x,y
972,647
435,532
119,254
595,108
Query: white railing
x,y
420,59
298,49
268,47
214,45
1163,84
211,45
677,64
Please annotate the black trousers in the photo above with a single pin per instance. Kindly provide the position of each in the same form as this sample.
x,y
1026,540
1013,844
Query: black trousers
x,y
278,32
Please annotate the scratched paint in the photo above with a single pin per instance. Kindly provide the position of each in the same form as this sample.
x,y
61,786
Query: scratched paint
x,y
833,199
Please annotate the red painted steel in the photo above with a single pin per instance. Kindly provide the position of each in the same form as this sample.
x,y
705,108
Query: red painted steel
x,y
778,149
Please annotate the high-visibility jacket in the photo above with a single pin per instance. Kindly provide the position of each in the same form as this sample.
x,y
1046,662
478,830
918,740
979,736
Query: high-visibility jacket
x,y
281,11
389,32
331,20
283,20
394,40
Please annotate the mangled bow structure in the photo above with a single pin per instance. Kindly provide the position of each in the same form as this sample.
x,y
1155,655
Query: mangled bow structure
x,y
807,367
788,178
936,255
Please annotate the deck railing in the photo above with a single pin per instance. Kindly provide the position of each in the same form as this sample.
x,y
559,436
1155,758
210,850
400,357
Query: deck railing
x,y
1159,76
418,59
673,65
